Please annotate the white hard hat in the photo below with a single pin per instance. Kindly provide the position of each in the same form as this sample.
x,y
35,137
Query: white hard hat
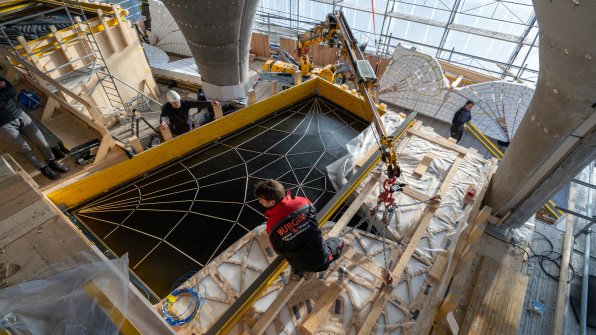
x,y
173,96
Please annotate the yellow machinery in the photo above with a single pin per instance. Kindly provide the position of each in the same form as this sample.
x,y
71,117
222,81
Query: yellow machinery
x,y
337,32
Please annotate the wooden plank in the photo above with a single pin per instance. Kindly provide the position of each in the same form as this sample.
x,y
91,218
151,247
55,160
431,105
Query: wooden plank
x,y
19,170
12,187
365,262
106,28
18,224
497,300
446,307
440,266
63,48
315,317
48,109
55,239
423,165
217,110
563,290
29,54
462,262
367,155
273,310
274,87
372,318
121,27
135,143
354,206
6,171
452,323
19,202
252,97
438,140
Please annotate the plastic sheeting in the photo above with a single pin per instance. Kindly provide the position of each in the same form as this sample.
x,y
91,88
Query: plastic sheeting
x,y
448,221
59,304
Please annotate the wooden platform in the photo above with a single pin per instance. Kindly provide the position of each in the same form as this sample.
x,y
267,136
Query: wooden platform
x,y
497,300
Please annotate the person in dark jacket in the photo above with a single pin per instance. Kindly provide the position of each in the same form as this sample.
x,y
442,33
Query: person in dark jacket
x,y
15,125
293,230
460,117
177,111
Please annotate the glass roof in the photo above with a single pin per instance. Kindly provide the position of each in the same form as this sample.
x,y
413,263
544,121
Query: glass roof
x,y
477,34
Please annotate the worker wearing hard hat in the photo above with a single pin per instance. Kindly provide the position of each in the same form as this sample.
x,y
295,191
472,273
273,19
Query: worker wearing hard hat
x,y
460,118
177,112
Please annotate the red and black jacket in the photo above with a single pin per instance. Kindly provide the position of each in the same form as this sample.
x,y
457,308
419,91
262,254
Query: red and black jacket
x,y
294,233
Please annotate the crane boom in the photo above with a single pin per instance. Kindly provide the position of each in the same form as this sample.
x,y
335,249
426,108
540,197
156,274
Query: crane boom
x,y
336,32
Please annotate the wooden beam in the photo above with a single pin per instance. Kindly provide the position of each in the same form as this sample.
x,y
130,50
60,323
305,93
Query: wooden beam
x,y
377,308
438,140
315,317
273,310
354,206
63,47
423,165
252,98
167,134
452,323
365,262
106,28
151,90
29,54
218,112
135,143
563,291
274,87
447,306
48,109
440,266
462,262
121,27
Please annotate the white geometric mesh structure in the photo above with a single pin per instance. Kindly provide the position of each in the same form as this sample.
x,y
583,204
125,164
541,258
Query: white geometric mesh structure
x,y
499,107
413,80
165,33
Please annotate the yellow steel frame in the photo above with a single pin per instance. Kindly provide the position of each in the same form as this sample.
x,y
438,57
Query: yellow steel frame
x,y
109,178
550,205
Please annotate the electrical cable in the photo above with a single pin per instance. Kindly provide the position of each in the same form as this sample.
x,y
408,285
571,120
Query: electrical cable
x,y
545,256
184,288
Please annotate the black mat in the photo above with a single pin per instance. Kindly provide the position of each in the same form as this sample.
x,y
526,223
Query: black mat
x,y
178,219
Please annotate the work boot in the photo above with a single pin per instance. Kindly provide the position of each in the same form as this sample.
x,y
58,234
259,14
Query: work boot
x,y
57,166
48,172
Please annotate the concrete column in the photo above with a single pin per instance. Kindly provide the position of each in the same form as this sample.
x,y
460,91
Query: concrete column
x,y
218,34
556,137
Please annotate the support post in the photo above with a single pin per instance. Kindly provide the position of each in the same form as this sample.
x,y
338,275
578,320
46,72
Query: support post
x,y
218,112
563,292
252,97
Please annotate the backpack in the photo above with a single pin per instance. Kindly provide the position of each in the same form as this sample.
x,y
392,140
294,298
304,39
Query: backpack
x,y
28,99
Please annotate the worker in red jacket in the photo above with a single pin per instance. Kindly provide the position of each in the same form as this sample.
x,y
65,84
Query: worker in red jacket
x,y
293,229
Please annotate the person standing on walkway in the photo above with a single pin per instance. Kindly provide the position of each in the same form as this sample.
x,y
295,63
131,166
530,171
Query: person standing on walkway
x,y
177,112
460,117
16,125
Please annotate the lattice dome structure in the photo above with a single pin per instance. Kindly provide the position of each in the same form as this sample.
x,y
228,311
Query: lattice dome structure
x,y
413,80
498,110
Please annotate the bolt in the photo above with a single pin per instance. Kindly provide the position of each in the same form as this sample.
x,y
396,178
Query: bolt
x,y
576,2
566,52
588,57
546,130
555,91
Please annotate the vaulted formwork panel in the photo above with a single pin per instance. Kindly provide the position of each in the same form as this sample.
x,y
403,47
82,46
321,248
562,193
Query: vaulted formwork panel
x,y
187,200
